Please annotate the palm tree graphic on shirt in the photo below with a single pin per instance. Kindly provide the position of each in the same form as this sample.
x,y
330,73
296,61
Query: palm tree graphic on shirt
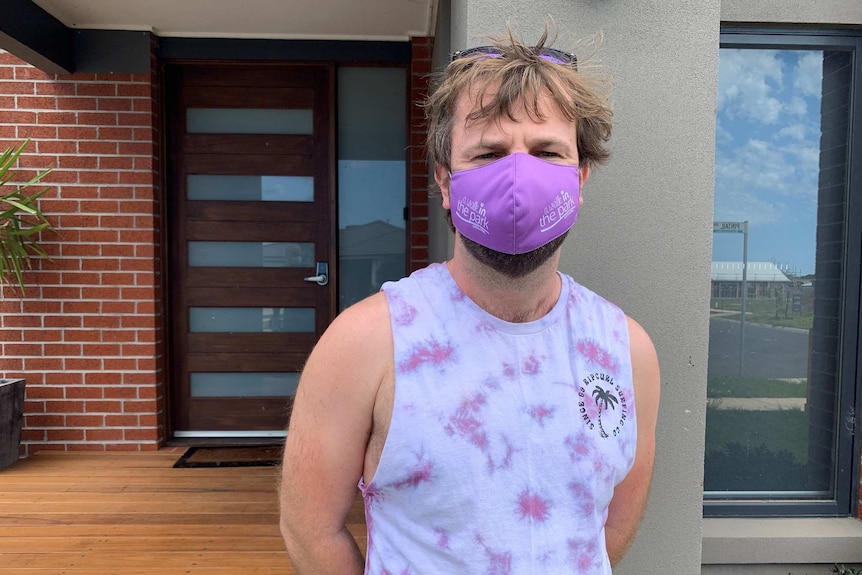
x,y
603,399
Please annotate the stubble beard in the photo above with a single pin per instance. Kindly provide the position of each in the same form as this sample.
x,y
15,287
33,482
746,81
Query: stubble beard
x,y
513,266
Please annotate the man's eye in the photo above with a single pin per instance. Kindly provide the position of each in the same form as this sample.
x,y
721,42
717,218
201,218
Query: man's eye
x,y
546,154
487,156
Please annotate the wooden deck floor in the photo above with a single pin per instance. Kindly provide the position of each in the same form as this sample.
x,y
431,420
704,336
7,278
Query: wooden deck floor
x,y
133,514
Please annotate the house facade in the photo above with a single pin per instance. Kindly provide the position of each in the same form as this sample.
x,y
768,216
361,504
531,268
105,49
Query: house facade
x,y
226,179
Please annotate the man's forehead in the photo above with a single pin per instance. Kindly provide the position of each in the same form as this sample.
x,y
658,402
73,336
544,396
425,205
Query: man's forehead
x,y
470,101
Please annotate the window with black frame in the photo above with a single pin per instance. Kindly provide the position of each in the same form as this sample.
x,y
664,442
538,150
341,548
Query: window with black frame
x,y
784,329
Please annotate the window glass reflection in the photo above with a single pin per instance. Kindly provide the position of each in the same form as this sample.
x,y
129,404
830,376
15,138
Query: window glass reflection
x,y
251,254
772,375
250,188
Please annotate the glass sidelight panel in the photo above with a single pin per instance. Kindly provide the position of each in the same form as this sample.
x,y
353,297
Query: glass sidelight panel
x,y
781,207
244,384
251,254
251,319
251,188
372,179
248,121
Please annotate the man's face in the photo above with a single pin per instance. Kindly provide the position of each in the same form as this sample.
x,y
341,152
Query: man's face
x,y
553,139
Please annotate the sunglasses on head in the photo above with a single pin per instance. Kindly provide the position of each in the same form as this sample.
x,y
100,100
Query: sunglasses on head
x,y
550,54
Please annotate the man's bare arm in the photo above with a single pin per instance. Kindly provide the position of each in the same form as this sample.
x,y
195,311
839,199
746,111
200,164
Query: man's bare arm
x,y
327,439
629,501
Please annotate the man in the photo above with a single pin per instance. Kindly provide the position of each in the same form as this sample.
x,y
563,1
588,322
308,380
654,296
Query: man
x,y
485,406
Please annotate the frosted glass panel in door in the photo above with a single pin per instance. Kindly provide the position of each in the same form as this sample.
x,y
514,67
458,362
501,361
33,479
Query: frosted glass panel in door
x,y
243,384
251,254
251,319
250,188
248,121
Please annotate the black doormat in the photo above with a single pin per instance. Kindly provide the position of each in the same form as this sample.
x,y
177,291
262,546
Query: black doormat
x,y
235,456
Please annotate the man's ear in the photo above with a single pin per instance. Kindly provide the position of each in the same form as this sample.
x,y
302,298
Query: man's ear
x,y
583,175
441,176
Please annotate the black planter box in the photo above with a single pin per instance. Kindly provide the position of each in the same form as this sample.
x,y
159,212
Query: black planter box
x,y
11,414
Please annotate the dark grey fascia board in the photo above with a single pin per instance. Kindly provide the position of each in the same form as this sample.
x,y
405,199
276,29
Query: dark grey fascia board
x,y
113,51
338,51
32,34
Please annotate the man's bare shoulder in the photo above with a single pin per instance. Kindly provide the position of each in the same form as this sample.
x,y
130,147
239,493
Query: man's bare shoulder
x,y
364,324
645,369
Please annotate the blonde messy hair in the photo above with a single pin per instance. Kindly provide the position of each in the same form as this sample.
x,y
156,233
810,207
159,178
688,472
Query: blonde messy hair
x,y
518,77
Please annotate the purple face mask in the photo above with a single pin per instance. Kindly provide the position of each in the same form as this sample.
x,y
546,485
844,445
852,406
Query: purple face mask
x,y
515,204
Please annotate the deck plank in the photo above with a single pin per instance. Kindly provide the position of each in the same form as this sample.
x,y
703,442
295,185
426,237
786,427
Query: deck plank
x,y
134,514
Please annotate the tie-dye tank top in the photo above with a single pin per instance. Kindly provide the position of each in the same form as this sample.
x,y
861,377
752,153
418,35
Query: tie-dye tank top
x,y
506,439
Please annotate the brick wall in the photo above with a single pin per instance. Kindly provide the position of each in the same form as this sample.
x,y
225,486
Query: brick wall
x,y
86,334
420,72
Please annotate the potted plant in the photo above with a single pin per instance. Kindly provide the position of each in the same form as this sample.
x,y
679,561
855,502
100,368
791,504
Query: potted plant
x,y
21,222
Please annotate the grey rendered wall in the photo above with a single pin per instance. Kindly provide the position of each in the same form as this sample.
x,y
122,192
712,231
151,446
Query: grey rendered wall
x,y
644,236
827,12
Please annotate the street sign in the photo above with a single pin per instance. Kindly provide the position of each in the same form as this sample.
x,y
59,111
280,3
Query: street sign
x,y
728,227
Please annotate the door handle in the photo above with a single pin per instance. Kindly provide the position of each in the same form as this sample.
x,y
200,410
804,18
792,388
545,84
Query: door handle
x,y
322,277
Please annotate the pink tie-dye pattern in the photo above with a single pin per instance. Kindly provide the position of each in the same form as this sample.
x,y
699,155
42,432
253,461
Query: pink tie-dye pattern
x,y
464,422
540,412
402,312
532,365
499,563
598,355
421,473
443,540
577,446
583,496
506,462
509,370
533,506
432,352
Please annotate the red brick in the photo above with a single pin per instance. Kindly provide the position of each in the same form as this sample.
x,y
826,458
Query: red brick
x,y
102,293
141,434
100,177
62,349
121,392
101,350
133,90
120,363
118,279
135,148
23,349
36,102
79,278
122,420
116,222
58,88
76,104
27,88
44,392
44,420
108,133
102,322
84,392
79,133
118,250
65,434
81,335
79,162
18,117
102,378
109,148
61,177
116,163
99,236
96,89
115,104
43,335
101,264
30,73
104,435
64,406
64,378
85,420
22,321
42,364
98,118
104,407
57,118
62,321
36,132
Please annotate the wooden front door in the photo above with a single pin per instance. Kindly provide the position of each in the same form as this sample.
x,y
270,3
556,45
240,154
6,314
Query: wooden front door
x,y
250,219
